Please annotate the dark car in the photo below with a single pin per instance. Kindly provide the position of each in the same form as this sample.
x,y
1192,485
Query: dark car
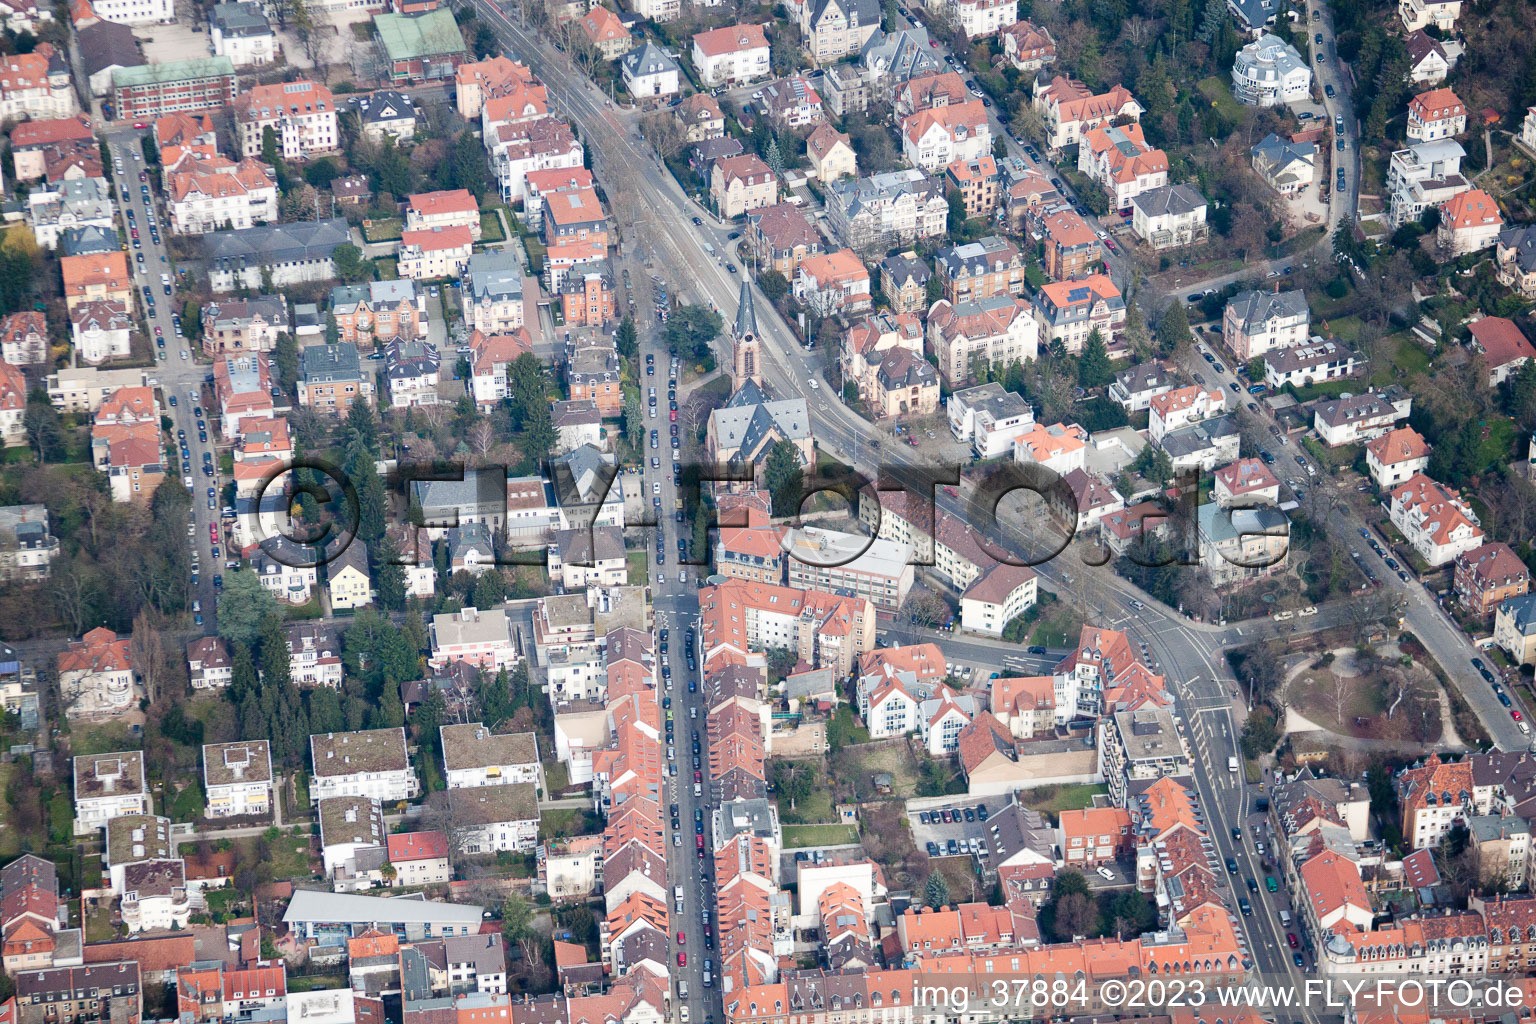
x,y
970,815
1296,959
933,849
1232,865
1253,885
1328,89
1036,649
981,812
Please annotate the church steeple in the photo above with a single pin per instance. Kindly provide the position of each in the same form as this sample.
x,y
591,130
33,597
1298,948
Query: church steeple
x,y
746,347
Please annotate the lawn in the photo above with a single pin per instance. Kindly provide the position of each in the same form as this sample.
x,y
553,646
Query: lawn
x,y
637,568
1057,626
102,738
559,822
801,836
98,925
490,227
290,855
556,776
1219,92
817,806
1410,358
188,804
386,229
536,253
388,268
1055,799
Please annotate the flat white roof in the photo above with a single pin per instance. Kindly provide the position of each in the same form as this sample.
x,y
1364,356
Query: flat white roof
x,y
315,906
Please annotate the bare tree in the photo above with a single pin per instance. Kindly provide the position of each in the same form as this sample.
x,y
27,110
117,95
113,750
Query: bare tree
x,y
148,652
1342,689
482,437
925,607
665,132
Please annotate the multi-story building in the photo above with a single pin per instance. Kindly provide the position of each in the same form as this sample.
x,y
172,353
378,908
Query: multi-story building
x,y
420,47
887,209
650,73
1071,110
1488,575
372,763
1422,176
1421,14
1139,747
331,378
1178,408
242,33
96,993
1169,216
781,237
275,254
904,282
170,87
830,154
1503,346
237,778
496,819
971,335
419,858
1269,72
935,138
879,570
108,786
1069,311
24,339
980,270
741,184
1436,523
27,547
1134,388
1256,322
1361,417
492,292
1027,46
1514,628
1396,456
1072,248
244,325
733,55
209,663
474,756
452,208
834,29
825,630
1287,167
434,253
489,357
1121,161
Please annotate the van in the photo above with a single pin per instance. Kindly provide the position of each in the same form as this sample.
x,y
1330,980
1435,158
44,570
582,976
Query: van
x,y
682,989
710,249
698,790
1232,764
1285,919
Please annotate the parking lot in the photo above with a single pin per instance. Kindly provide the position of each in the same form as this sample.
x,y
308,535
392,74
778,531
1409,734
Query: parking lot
x,y
935,830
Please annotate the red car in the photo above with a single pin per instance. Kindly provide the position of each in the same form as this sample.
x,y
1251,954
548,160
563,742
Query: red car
x,y
1291,938
140,125
672,413
682,938
698,841
1515,715
682,959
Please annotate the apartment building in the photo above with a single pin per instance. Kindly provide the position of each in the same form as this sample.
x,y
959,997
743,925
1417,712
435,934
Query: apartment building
x,y
237,778
371,763
1256,322
827,560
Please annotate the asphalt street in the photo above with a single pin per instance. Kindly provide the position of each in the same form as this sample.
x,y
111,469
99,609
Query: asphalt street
x,y
180,374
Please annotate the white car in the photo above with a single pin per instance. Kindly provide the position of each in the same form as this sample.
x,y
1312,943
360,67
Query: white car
x,y
661,578
1106,873
815,384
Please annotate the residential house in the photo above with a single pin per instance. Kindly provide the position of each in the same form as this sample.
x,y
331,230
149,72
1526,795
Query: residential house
x,y
1028,47
830,153
1072,248
1515,259
1240,545
1169,217
383,115
453,208
988,418
209,663
1246,482
353,840
434,253
1436,114
1071,110
1504,347
651,73
419,858
331,378
1514,628
605,33
314,652
1428,62
301,116
1469,222
836,282
207,194
237,778
479,637
1256,322
1120,160
495,819
792,103
96,278
1180,407
588,556
95,675
371,763
933,139
379,312
1488,575
782,236
492,290
474,756
990,332
1318,360
100,331
1134,388
701,117
1437,524
998,597
1069,311
347,582
36,85
411,373
1268,72
741,184
834,29
489,357
733,55
242,33
1287,167
244,325
1421,14
1396,456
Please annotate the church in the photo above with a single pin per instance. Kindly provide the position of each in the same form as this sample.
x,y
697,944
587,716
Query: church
x,y
746,428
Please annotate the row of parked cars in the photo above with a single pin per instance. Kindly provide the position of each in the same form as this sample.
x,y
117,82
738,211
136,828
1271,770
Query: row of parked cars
x,y
948,816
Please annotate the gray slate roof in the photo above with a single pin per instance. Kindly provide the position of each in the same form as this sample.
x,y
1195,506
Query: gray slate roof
x,y
748,418
1256,308
1169,199
648,59
108,44
320,364
275,243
